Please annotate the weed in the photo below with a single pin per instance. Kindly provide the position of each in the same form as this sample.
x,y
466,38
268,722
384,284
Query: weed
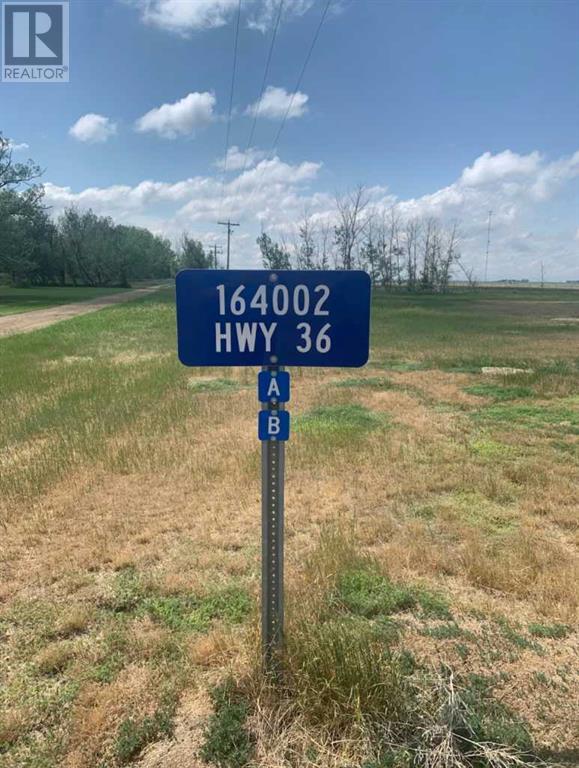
x,y
128,592
550,631
134,735
340,672
449,631
489,720
189,613
54,658
365,592
462,650
178,612
510,633
227,742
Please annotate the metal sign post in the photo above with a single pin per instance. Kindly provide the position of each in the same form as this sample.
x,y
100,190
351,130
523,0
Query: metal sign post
x,y
272,530
271,320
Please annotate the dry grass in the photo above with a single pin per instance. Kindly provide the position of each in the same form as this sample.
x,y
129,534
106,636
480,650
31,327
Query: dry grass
x,y
116,521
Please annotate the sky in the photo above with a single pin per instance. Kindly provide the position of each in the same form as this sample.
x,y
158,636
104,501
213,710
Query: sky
x,y
441,108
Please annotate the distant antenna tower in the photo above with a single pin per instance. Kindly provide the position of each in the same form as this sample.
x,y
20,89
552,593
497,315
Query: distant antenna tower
x,y
542,275
488,247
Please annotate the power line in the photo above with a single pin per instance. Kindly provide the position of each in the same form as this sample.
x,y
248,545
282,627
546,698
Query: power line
x,y
291,101
229,225
228,129
263,84
302,73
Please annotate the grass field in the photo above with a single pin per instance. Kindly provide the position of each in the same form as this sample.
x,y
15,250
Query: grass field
x,y
432,520
17,300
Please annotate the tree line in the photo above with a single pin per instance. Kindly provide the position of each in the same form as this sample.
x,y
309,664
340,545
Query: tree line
x,y
415,254
80,247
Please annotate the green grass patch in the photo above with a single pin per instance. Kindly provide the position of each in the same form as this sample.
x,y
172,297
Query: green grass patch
x,y
550,631
369,382
474,508
180,612
341,672
366,592
212,385
196,614
447,631
18,300
134,735
227,741
339,422
491,449
498,392
511,633
562,417
489,720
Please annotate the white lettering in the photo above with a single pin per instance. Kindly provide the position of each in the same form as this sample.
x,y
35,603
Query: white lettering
x,y
246,336
267,334
224,335
273,388
273,426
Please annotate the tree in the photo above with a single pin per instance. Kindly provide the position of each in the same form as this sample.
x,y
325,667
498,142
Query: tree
x,y
352,222
412,237
24,234
14,175
192,254
307,249
272,254
370,254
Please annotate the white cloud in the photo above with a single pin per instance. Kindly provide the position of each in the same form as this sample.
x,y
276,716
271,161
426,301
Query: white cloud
x,y
238,159
12,145
274,194
554,175
489,168
182,17
182,118
275,102
93,129
264,14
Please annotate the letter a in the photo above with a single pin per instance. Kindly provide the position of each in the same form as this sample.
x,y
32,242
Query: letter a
x,y
273,388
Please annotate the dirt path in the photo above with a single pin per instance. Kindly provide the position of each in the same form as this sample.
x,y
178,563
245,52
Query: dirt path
x,y
40,318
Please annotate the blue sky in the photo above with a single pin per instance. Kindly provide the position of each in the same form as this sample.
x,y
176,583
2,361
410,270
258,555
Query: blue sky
x,y
440,108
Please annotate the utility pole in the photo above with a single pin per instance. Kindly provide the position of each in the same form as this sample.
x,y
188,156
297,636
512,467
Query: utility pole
x,y
215,249
488,246
228,224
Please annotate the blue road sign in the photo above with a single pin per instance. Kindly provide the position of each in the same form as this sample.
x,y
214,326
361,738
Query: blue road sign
x,y
273,386
264,318
274,425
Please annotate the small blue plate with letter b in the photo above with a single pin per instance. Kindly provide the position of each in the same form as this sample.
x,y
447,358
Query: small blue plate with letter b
x,y
274,425
273,386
